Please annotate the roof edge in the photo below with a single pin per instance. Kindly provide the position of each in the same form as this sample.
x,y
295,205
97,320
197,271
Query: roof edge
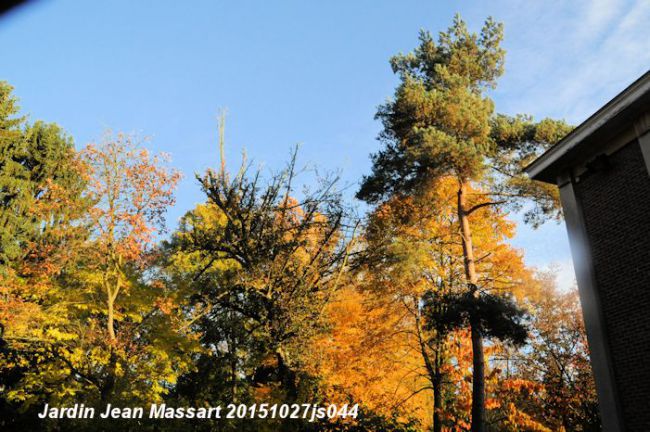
x,y
589,127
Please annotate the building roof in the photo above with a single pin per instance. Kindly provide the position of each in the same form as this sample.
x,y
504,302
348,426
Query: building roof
x,y
584,142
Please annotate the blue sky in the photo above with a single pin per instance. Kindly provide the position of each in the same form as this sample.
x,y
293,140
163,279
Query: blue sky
x,y
299,72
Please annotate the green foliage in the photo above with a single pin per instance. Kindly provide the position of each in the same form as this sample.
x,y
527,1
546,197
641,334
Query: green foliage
x,y
233,307
518,142
497,316
438,123
14,178
53,312
441,123
260,266
41,182
34,160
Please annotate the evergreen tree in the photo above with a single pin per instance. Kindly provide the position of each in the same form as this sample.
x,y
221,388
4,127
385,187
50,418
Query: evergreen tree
x,y
441,123
41,185
35,162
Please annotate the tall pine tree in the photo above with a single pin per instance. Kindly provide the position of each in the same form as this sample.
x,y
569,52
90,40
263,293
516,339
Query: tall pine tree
x,y
441,124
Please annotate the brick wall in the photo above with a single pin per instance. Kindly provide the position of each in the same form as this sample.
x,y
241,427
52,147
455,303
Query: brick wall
x,y
616,207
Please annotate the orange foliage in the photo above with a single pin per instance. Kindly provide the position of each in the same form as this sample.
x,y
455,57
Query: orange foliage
x,y
373,353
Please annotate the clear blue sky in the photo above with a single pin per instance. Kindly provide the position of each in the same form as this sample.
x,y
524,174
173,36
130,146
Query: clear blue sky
x,y
299,72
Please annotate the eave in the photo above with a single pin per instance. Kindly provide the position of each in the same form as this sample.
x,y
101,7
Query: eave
x,y
585,141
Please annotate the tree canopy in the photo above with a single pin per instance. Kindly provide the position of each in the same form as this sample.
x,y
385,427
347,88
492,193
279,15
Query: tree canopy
x,y
441,124
419,316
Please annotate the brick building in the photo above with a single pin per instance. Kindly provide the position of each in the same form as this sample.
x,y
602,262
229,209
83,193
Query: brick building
x,y
602,168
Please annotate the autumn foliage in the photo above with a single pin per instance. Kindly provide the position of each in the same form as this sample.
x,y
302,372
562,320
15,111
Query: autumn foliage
x,y
421,311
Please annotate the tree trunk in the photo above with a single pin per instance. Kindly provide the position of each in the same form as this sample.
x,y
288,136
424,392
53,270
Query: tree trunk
x,y
110,318
232,347
109,384
478,381
437,399
287,377
433,370
478,360
111,295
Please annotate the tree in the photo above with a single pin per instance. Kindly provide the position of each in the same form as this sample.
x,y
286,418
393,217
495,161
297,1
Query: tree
x,y
12,174
441,124
260,266
41,202
411,255
385,318
97,322
367,357
131,191
36,162
559,361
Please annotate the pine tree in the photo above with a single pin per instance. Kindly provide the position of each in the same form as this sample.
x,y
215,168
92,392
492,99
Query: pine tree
x,y
441,123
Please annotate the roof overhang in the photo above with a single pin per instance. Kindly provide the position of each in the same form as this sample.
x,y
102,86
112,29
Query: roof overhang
x,y
586,140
